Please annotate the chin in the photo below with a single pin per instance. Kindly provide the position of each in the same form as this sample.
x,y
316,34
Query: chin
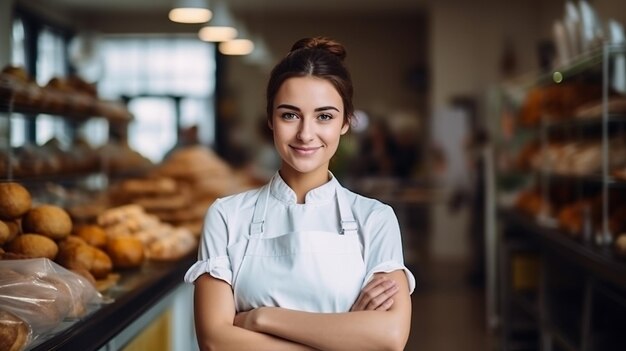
x,y
299,167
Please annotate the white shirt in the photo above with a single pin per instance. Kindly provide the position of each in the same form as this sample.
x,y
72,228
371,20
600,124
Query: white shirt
x,y
228,222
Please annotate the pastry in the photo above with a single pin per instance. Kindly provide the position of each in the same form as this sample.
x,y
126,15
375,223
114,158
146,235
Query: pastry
x,y
38,303
15,200
126,251
49,220
5,234
154,186
93,235
33,245
14,332
78,256
8,231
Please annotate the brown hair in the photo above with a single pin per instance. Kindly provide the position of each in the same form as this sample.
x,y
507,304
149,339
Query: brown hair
x,y
318,57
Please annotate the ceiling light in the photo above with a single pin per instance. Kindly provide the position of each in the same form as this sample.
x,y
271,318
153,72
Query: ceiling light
x,y
222,26
217,33
190,11
236,47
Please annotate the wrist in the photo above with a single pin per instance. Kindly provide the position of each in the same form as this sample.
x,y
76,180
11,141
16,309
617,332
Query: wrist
x,y
259,320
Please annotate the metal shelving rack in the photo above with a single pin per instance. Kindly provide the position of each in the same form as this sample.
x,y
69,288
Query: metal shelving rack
x,y
588,270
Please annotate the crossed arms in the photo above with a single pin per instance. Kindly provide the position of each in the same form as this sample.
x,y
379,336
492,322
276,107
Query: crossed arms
x,y
379,320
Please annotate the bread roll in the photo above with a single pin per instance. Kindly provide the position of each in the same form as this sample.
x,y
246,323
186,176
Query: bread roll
x,y
37,302
15,200
49,220
69,297
33,245
71,240
14,332
85,274
94,260
126,251
149,186
14,228
5,234
93,235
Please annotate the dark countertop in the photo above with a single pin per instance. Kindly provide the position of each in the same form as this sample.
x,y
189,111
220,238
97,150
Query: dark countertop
x,y
135,293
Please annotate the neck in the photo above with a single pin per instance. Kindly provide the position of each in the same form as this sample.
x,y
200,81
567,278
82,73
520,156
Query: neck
x,y
302,183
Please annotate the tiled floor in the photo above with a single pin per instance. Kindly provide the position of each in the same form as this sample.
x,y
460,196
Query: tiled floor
x,y
448,313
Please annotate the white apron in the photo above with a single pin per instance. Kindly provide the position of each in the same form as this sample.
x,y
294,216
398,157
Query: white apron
x,y
312,271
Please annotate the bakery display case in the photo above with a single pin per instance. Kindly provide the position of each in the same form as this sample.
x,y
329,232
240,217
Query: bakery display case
x,y
559,206
117,230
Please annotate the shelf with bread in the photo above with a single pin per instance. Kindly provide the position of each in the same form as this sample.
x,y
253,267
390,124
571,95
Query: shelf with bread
x,y
75,102
70,97
560,188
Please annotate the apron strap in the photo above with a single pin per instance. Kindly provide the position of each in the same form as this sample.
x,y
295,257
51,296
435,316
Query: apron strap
x,y
348,224
260,209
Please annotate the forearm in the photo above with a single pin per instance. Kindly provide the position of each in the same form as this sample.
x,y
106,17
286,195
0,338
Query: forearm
x,y
363,330
360,330
229,337
214,313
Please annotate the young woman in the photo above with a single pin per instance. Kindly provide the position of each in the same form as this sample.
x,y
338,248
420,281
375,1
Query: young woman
x,y
303,263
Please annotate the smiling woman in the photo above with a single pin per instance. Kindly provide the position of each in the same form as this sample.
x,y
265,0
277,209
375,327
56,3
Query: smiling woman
x,y
307,124
303,256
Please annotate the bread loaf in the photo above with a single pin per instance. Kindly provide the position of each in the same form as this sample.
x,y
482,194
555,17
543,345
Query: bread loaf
x,y
14,332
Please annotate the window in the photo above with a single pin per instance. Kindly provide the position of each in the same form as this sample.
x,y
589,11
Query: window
x,y
169,82
51,57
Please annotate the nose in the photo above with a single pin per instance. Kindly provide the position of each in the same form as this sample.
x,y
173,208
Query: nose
x,y
305,130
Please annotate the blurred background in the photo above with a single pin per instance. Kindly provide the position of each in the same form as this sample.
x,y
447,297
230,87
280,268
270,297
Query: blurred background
x,y
445,93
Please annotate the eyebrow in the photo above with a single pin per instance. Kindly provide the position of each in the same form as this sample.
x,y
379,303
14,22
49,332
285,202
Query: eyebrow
x,y
291,107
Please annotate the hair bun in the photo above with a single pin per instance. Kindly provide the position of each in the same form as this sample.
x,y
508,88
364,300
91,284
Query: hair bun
x,y
321,43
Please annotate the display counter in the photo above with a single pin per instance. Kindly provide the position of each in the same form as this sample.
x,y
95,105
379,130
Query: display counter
x,y
136,292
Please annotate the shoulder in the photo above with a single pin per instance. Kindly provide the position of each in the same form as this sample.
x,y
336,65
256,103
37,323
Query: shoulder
x,y
366,206
237,202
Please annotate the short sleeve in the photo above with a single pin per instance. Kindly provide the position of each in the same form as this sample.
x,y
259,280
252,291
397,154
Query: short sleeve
x,y
212,253
382,245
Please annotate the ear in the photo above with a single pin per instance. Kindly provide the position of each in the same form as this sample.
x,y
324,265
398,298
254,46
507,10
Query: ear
x,y
269,124
345,128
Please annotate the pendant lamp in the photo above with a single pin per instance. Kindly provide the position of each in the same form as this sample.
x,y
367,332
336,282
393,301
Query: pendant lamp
x,y
190,11
222,26
239,46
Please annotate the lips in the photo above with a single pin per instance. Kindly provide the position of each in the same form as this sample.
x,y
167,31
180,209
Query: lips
x,y
304,151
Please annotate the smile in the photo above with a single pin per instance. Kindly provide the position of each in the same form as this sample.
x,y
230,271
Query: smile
x,y
304,151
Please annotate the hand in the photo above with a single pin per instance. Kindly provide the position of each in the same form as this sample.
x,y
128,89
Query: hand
x,y
376,296
241,319
246,320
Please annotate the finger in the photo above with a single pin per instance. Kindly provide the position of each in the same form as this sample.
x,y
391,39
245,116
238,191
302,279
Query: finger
x,y
377,286
363,299
376,295
385,306
381,297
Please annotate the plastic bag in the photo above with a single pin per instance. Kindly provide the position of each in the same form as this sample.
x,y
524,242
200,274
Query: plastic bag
x,y
43,294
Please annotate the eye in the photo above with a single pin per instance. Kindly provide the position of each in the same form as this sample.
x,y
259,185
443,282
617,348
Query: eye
x,y
288,116
325,117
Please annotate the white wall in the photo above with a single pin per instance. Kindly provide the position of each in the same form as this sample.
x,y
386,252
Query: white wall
x,y
381,51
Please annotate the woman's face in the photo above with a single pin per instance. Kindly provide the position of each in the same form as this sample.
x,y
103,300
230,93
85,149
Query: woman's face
x,y
307,121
